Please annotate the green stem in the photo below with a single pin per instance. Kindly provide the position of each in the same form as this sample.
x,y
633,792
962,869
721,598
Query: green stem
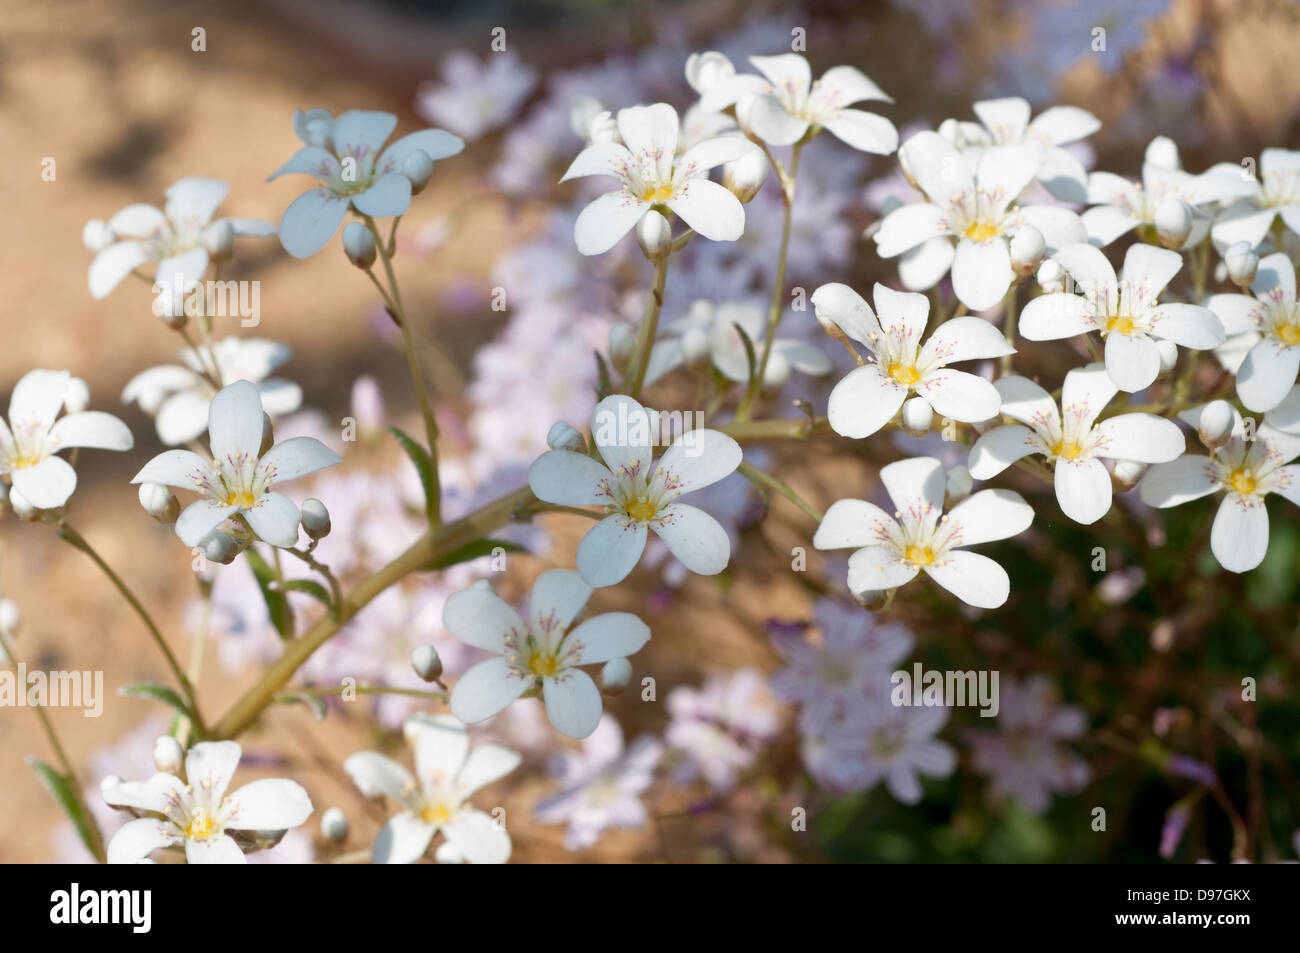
x,y
362,688
649,328
335,589
1009,319
760,478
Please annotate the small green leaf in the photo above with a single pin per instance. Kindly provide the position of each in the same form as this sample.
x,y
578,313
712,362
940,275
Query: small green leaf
x,y
311,588
603,385
277,606
750,354
314,702
480,547
423,466
156,692
67,799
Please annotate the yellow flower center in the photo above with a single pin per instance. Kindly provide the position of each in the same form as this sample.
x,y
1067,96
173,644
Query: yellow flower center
x,y
22,463
1243,481
435,814
541,664
641,510
661,194
904,374
1288,332
240,498
1121,324
920,555
981,232
1067,450
201,825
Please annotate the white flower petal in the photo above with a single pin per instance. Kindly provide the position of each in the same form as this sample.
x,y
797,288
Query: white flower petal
x,y
37,399
625,433
294,458
863,130
936,167
1006,118
178,468
403,840
192,201
1061,124
987,516
1243,221
1133,362
710,153
1267,374
1000,447
710,209
850,524
572,703
1187,478
210,765
1083,489
981,272
441,744
235,422
1239,537
1144,438
1276,271
1105,223
650,131
136,840
603,158
219,849
697,540
910,226
200,518
863,402
435,143
310,160
1152,266
607,219
915,483
875,568
1086,392
1286,415
1065,178
1051,317
569,479
486,689
113,264
974,579
959,395
361,132
1026,401
271,804
389,196
138,221
1059,226
696,459
46,485
558,597
1237,313
310,221
847,310
1187,325
274,518
964,339
1088,267
182,417
152,796
93,429
1004,171
485,764
376,775
481,618
923,267
609,636
478,838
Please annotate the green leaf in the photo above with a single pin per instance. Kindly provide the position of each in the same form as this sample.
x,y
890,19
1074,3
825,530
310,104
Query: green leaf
x,y
67,799
604,387
314,702
156,692
277,606
423,466
313,589
750,354
480,547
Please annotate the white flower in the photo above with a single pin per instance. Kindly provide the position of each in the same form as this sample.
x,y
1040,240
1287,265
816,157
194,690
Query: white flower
x,y
540,654
447,773
1072,440
1276,192
651,173
32,438
199,814
711,329
475,97
1121,205
344,155
1125,310
870,395
172,237
1006,122
893,743
1270,325
637,495
785,108
893,550
1246,473
238,480
1286,415
178,397
972,198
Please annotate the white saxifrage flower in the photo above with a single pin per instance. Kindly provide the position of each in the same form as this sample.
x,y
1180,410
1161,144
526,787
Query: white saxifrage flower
x,y
1275,193
199,814
345,156
1125,310
476,97
1246,472
542,654
972,199
238,480
173,237
870,395
919,538
1072,440
639,495
447,773
177,397
1269,324
789,105
34,434
651,174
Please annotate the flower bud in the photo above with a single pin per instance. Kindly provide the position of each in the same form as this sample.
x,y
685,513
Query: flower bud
x,y
1027,250
359,245
563,436
1162,152
10,616
315,518
1242,264
168,755
706,70
334,825
219,239
314,127
108,783
615,676
873,600
655,236
1216,424
746,175
1126,474
958,486
97,236
1168,352
603,128
426,662
1173,221
418,167
918,415
268,435
1051,276
219,547
77,397
449,853
25,511
160,503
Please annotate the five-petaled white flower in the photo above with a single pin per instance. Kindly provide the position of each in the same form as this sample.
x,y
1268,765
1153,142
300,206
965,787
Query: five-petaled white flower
x,y
651,173
919,537
34,435
972,199
541,654
1276,192
344,155
178,397
637,495
1271,320
173,237
1072,439
784,109
238,481
198,814
1247,471
447,773
868,396
1125,310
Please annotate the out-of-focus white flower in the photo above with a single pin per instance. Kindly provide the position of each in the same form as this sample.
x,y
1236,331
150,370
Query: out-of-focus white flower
x,y
718,729
1276,192
1242,264
33,436
476,96
891,552
197,813
447,773
238,481
1269,328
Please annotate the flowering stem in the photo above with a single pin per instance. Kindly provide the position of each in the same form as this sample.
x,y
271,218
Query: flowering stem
x,y
394,300
1009,318
531,508
363,688
70,535
778,288
335,589
760,478
197,647
758,431
649,327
